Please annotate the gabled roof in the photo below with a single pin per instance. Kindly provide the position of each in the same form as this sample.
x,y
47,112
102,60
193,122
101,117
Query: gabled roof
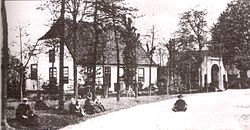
x,y
85,47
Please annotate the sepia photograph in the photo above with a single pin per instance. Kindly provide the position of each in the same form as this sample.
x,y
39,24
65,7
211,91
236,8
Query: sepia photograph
x,y
125,64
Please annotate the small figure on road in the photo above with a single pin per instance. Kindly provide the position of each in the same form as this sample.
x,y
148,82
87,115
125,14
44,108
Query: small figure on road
x,y
25,115
75,108
180,104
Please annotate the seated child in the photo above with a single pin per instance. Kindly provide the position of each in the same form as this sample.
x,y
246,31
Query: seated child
x,y
75,108
98,103
89,106
180,104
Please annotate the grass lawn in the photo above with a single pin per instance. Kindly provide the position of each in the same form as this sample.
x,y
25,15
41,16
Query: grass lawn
x,y
53,119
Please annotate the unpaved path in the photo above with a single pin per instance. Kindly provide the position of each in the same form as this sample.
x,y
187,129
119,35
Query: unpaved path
x,y
228,110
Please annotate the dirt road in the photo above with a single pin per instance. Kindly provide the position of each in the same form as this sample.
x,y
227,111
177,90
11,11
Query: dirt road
x,y
228,110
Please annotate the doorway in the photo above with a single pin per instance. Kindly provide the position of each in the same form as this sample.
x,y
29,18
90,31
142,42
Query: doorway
x,y
215,77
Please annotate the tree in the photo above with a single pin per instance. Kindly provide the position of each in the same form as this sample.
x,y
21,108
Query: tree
x,y
4,65
129,54
150,52
192,33
61,57
231,35
112,16
76,10
101,13
27,50
171,60
193,24
22,33
13,80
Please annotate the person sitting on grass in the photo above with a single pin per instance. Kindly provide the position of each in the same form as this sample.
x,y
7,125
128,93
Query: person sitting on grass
x,y
40,105
89,105
75,108
25,115
98,103
180,104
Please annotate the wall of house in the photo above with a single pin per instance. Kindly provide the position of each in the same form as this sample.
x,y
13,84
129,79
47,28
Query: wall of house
x,y
42,60
153,75
43,72
146,76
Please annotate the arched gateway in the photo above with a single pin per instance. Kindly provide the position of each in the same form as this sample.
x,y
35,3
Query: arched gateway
x,y
213,74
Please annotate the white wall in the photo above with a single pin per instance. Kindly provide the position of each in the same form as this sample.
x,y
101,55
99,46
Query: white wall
x,y
43,73
153,76
43,70
146,74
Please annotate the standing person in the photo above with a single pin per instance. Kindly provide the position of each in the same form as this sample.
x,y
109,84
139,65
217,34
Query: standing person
x,y
75,108
180,104
25,115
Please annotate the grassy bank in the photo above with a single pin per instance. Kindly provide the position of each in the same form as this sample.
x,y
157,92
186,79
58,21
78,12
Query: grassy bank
x,y
53,119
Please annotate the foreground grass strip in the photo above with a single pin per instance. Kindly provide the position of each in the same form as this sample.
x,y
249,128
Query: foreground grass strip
x,y
53,119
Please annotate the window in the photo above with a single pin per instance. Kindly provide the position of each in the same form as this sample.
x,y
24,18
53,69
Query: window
x,y
141,75
121,74
52,75
107,76
120,71
65,75
33,68
107,70
51,56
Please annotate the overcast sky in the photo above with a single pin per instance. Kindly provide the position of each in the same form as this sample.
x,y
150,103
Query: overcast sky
x,y
163,14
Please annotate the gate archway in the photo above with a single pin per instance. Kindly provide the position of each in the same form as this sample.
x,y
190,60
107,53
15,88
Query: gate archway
x,y
212,72
215,76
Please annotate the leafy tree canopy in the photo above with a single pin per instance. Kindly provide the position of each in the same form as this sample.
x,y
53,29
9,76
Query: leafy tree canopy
x,y
231,34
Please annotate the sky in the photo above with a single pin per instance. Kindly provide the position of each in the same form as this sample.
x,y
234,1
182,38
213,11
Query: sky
x,y
163,14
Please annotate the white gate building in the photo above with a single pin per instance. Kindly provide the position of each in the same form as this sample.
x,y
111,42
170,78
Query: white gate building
x,y
213,73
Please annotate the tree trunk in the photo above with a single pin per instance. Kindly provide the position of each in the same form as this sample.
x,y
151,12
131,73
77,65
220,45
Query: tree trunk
x,y
151,58
136,90
243,78
21,83
61,62
4,70
75,79
104,86
75,26
118,65
21,60
95,49
189,77
117,55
